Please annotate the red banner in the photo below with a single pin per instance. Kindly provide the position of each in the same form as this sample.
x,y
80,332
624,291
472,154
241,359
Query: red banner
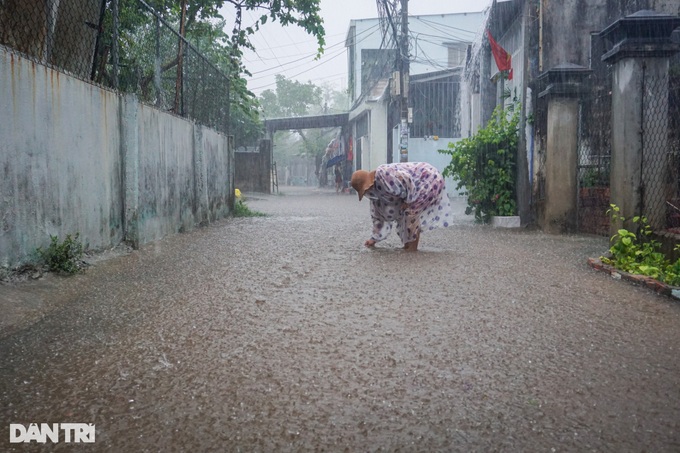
x,y
503,58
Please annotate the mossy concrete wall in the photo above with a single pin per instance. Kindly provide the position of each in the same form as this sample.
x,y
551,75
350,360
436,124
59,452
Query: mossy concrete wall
x,y
76,158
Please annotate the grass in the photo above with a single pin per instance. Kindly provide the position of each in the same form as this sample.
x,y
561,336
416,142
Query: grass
x,y
242,210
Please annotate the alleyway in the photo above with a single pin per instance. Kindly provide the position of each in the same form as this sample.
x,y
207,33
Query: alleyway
x,y
284,334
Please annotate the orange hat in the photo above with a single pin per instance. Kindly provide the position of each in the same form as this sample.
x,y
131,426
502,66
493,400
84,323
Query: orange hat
x,y
362,180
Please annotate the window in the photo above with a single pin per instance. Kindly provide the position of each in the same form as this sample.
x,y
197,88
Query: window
x,y
457,53
435,108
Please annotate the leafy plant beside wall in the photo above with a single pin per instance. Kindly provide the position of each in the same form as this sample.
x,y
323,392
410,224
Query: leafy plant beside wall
x,y
485,166
638,253
63,256
241,209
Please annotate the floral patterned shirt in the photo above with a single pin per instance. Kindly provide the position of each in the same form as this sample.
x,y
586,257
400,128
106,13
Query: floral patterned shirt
x,y
410,194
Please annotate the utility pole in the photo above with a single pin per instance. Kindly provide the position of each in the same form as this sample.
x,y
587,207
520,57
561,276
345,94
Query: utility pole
x,y
403,59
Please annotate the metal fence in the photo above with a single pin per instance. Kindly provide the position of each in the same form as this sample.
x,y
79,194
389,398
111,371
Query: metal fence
x,y
144,54
435,109
59,34
673,205
659,180
594,158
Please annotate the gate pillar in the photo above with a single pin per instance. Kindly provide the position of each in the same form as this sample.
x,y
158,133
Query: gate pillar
x,y
562,87
639,46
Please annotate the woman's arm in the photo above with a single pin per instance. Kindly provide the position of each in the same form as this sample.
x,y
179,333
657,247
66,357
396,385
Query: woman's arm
x,y
381,227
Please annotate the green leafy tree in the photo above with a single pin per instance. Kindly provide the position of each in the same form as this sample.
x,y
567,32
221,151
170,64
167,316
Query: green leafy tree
x,y
202,24
291,98
301,13
334,101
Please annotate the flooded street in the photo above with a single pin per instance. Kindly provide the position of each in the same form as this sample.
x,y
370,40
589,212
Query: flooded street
x,y
284,333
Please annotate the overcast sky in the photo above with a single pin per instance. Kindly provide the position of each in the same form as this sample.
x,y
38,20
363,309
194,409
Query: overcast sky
x,y
290,52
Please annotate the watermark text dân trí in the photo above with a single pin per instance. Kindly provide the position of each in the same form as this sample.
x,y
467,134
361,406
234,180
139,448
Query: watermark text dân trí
x,y
50,432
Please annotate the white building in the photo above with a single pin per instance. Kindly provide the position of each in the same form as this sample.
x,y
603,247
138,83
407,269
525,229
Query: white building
x,y
438,49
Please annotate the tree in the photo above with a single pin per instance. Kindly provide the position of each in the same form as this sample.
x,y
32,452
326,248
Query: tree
x,y
291,98
244,124
201,23
334,101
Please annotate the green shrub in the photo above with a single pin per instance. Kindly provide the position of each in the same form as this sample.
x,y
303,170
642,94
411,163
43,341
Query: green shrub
x,y
638,253
63,256
485,166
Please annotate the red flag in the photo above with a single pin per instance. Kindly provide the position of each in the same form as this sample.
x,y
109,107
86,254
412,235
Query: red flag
x,y
503,58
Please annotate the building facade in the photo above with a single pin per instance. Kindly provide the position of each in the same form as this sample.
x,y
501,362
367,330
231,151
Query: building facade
x,y
439,46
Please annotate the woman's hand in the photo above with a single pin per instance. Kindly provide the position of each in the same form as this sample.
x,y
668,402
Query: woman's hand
x,y
369,243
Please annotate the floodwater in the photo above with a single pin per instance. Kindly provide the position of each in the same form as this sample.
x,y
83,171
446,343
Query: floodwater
x,y
284,334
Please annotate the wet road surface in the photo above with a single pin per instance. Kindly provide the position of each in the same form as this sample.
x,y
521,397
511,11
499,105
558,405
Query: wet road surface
x,y
283,333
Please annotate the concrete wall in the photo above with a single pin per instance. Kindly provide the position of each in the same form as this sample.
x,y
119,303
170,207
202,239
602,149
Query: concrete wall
x,y
576,19
60,160
376,154
374,145
166,173
76,158
422,150
216,164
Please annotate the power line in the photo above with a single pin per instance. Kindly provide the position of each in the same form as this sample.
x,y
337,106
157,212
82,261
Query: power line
x,y
263,38
446,37
432,24
281,65
311,55
366,34
294,44
300,73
